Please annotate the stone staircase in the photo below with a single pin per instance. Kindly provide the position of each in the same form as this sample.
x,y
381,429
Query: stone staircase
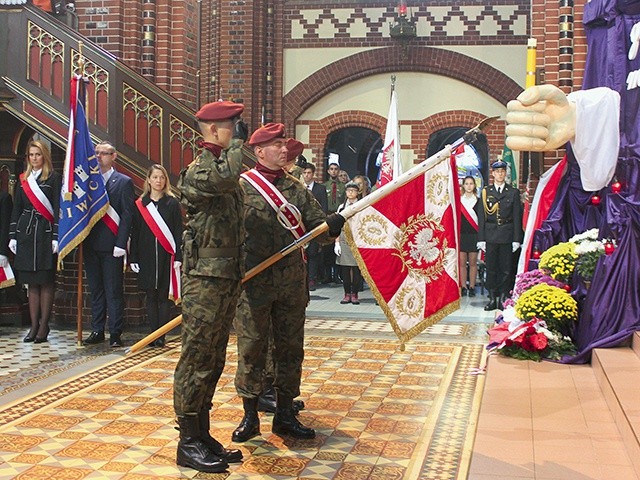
x,y
564,422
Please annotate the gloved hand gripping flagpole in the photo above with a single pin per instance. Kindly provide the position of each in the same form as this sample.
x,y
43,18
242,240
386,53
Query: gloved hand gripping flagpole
x,y
468,137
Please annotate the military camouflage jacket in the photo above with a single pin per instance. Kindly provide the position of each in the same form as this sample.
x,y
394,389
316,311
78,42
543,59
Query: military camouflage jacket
x,y
265,234
334,202
211,194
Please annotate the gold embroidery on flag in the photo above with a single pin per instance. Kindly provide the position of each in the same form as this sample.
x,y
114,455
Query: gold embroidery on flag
x,y
410,301
421,247
438,189
372,230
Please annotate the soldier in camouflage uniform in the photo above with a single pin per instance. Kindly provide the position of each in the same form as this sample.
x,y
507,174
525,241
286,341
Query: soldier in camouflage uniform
x,y
212,271
278,296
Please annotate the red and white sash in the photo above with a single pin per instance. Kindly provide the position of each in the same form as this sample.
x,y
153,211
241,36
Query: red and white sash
x,y
6,277
37,197
112,220
471,215
161,231
287,213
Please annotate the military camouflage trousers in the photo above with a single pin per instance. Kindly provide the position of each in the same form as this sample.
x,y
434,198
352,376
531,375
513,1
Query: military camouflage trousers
x,y
264,308
208,308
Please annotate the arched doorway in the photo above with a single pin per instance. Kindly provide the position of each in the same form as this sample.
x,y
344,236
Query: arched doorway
x,y
478,158
357,148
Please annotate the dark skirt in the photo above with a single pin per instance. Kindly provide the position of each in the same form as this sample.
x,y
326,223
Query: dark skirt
x,y
41,277
468,242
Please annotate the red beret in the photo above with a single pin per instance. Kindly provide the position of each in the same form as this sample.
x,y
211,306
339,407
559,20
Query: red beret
x,y
216,111
295,149
266,133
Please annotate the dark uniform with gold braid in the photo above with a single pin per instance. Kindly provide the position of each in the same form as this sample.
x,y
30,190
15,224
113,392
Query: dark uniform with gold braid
x,y
499,225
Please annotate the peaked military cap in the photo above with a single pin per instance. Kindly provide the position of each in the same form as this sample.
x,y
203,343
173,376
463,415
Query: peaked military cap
x,y
498,164
266,133
221,110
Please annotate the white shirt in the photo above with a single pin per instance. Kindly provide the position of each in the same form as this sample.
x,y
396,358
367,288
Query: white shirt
x,y
36,173
310,185
107,175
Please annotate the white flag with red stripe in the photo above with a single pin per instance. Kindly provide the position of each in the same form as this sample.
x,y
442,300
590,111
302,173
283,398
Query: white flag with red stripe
x,y
391,165
406,245
542,201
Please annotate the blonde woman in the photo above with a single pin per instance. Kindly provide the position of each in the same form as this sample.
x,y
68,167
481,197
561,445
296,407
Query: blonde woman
x,y
156,256
33,235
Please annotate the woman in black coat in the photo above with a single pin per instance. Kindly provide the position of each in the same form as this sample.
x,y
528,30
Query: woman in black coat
x,y
33,235
148,258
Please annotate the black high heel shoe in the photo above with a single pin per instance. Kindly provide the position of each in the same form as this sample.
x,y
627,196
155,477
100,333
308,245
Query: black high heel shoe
x,y
42,339
29,337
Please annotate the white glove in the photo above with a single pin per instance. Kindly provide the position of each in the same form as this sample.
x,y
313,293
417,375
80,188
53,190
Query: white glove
x,y
337,250
514,246
177,264
13,246
119,252
54,246
135,268
482,246
4,261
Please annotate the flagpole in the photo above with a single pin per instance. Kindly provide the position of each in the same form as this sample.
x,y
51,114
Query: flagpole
x,y
376,195
79,299
79,302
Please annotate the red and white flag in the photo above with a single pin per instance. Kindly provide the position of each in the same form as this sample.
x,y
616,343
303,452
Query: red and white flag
x,y
540,206
406,245
6,277
390,164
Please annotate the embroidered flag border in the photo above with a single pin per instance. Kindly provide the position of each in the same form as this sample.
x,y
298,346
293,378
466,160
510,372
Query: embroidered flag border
x,y
406,245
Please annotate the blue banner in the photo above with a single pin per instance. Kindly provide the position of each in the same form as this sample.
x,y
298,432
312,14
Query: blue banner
x,y
85,203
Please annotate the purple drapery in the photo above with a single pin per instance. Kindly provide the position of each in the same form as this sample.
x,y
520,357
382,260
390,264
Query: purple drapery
x,y
610,312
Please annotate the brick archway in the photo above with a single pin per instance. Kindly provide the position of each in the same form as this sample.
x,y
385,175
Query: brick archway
x,y
385,60
320,129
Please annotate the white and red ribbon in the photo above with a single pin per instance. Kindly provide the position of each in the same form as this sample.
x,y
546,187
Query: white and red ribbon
x,y
112,220
7,278
471,216
282,207
162,232
37,197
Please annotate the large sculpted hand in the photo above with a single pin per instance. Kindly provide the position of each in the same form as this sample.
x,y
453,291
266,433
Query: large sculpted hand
x,y
540,119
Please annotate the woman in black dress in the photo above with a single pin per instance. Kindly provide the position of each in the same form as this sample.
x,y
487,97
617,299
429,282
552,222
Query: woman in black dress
x,y
149,259
33,236
469,235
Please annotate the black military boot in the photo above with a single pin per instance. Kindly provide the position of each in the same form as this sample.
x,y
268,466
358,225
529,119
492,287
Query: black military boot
x,y
493,302
285,421
230,455
250,425
192,451
267,402
501,300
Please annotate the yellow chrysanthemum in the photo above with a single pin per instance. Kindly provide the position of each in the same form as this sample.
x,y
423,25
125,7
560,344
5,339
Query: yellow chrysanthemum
x,y
552,304
559,260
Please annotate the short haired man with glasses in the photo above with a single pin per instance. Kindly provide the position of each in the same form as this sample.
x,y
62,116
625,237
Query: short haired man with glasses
x,y
104,251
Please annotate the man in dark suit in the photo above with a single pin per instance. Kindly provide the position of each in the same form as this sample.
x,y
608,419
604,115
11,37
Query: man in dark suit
x,y
314,252
105,249
499,233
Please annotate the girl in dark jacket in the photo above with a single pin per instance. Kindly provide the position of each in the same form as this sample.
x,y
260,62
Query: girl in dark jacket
x,y
33,235
469,235
156,254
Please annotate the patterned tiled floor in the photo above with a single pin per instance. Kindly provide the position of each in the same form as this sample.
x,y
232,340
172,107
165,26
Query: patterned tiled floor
x,y
379,413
